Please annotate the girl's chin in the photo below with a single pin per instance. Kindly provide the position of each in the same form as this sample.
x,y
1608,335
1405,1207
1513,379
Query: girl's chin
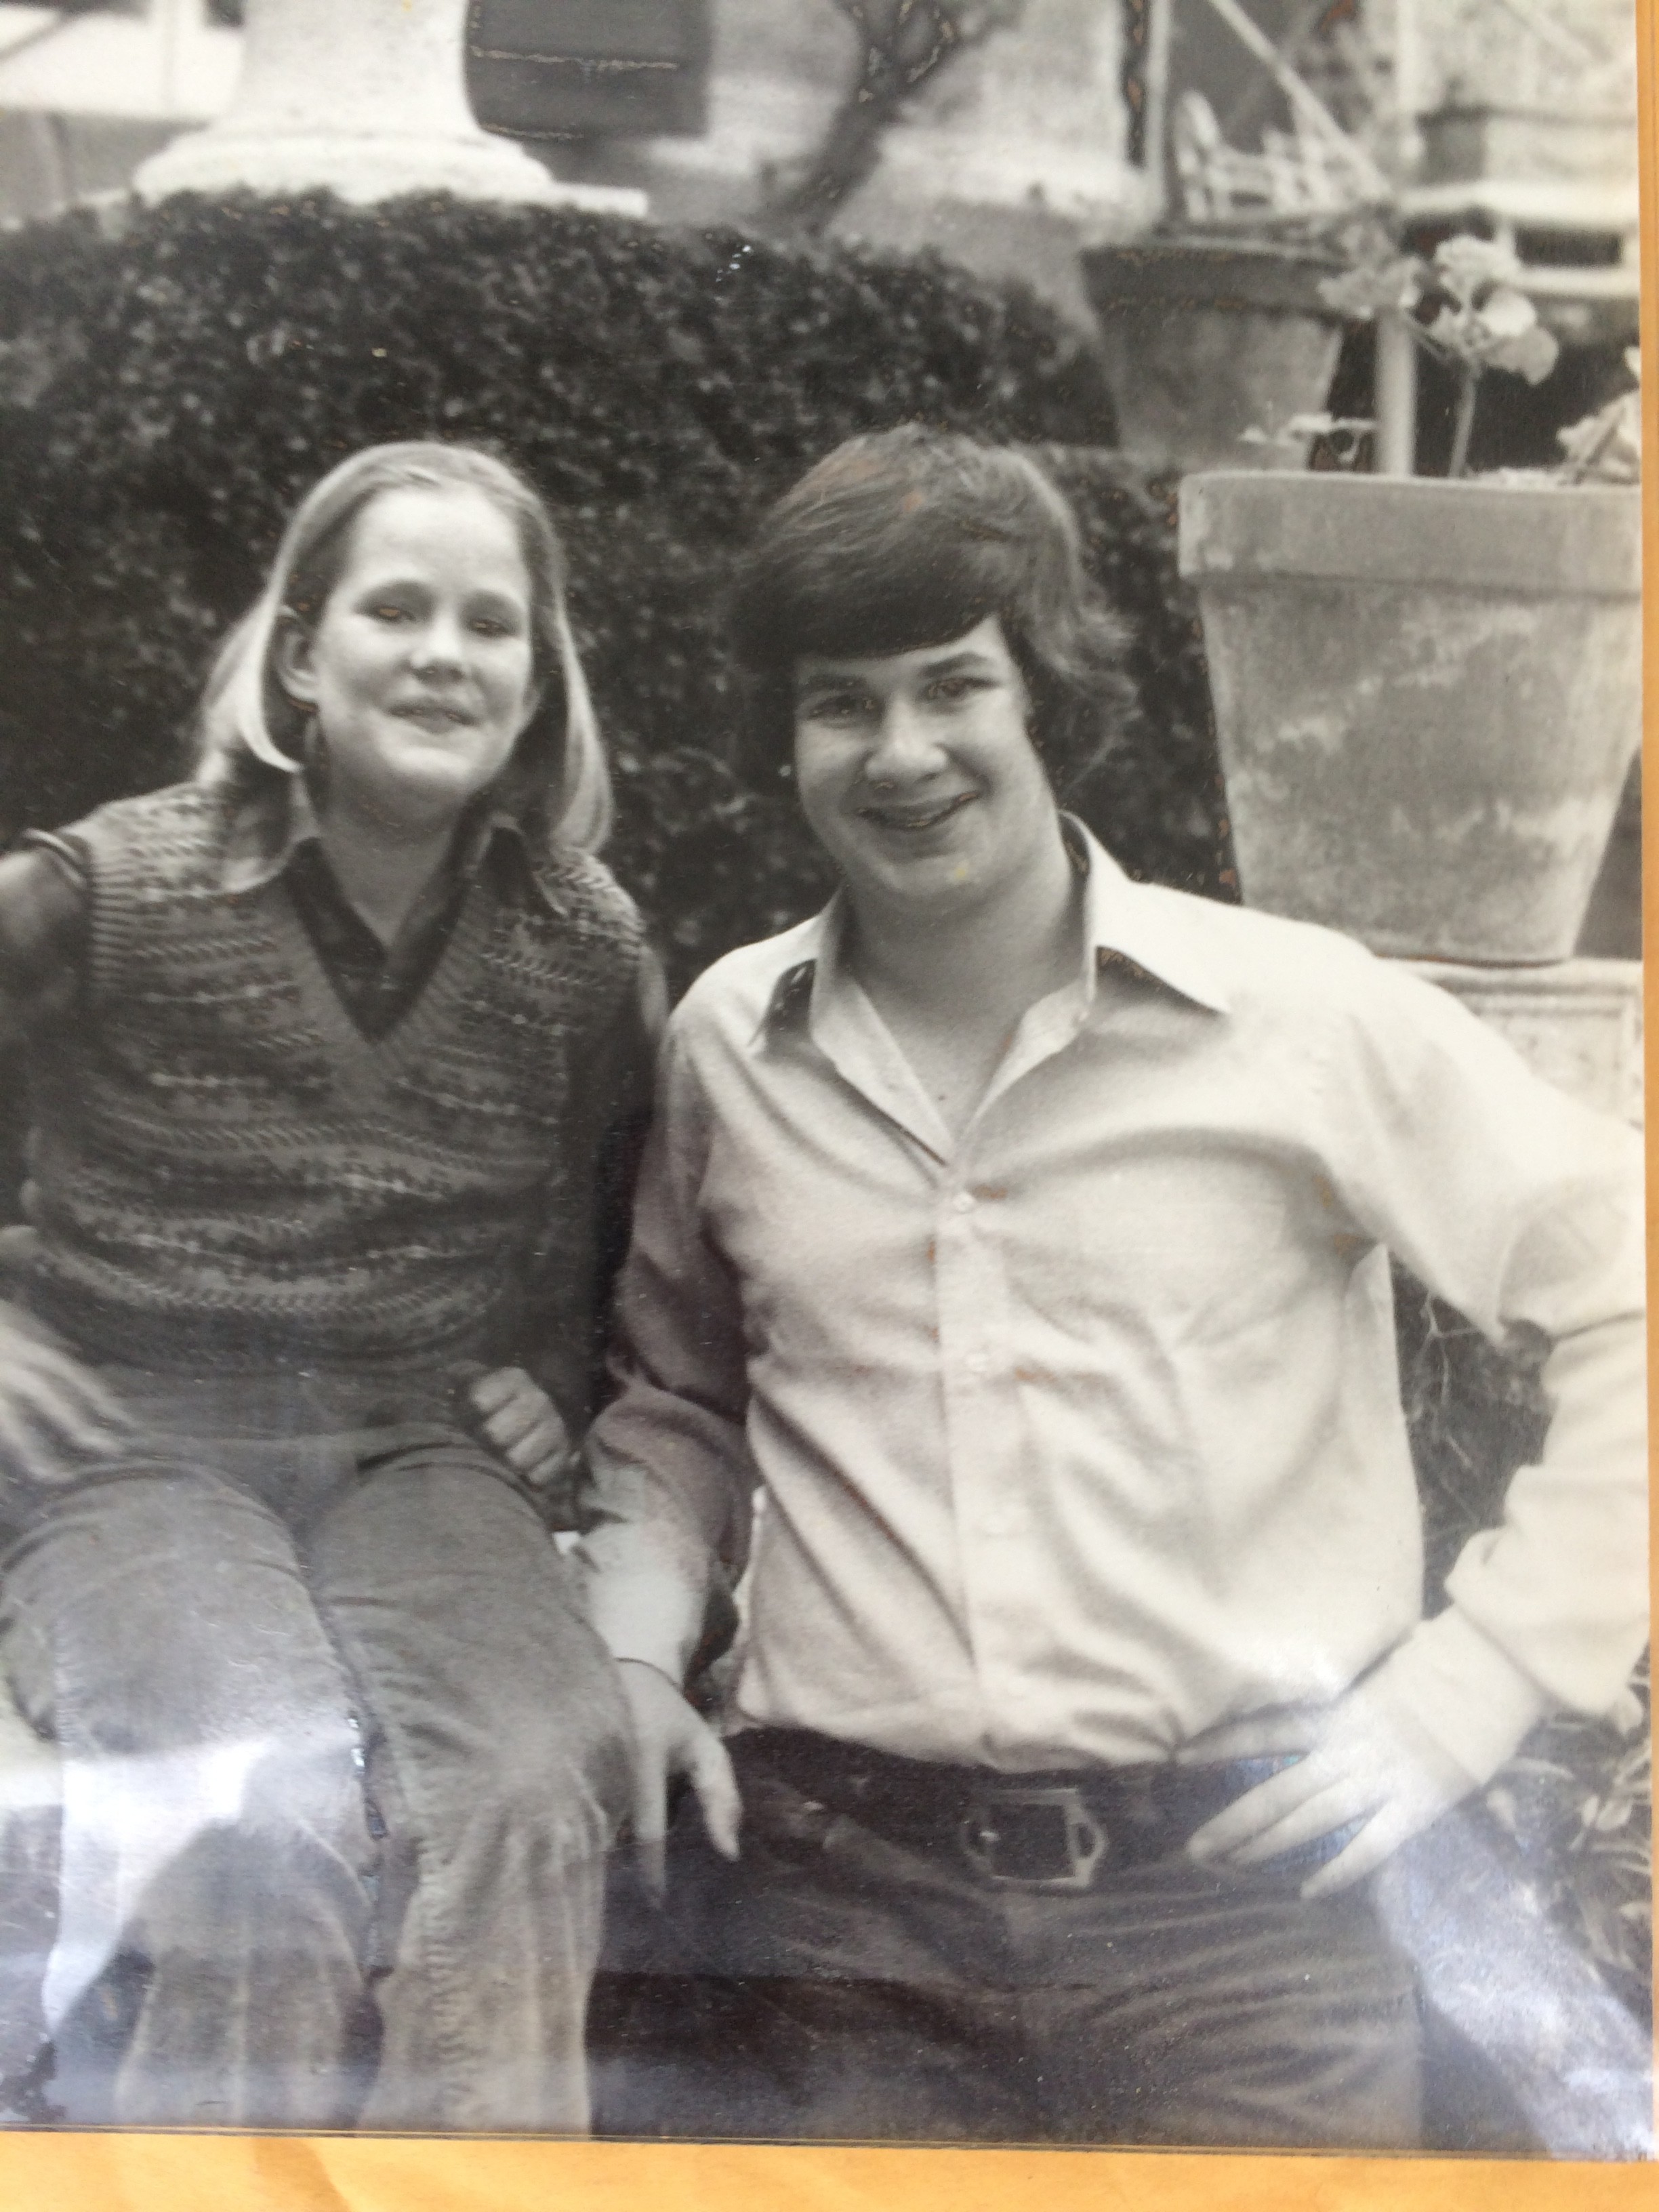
x,y
414,795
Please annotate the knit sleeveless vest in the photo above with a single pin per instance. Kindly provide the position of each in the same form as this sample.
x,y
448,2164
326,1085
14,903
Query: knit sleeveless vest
x,y
225,1173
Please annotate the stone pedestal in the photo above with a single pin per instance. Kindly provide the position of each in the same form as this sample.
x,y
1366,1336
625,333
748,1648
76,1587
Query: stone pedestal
x,y
363,98
1576,1022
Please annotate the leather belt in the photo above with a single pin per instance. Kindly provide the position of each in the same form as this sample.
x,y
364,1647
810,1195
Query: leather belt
x,y
1060,1830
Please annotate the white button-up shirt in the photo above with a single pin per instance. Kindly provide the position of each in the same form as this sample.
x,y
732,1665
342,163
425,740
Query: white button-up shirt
x,y
1081,1432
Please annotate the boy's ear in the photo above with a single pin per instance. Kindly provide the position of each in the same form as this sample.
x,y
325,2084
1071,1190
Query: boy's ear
x,y
295,663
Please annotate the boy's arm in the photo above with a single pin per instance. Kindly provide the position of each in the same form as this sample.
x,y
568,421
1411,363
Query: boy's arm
x,y
1524,1210
670,1477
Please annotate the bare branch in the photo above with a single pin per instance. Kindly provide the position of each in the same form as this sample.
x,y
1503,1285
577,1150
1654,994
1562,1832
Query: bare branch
x,y
903,44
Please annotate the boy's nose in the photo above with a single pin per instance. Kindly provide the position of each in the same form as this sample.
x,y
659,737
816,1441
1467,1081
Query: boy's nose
x,y
905,749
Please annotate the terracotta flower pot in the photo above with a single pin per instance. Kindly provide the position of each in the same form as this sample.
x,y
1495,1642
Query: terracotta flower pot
x,y
1427,695
1204,340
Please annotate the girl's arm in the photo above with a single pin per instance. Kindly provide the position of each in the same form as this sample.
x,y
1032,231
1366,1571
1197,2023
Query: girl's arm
x,y
43,929
529,1413
54,1413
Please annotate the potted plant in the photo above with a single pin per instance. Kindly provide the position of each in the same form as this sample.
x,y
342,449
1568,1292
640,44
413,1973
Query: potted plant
x,y
1208,336
1218,322
1427,691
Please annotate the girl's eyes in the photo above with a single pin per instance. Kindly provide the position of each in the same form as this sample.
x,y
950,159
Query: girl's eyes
x,y
390,612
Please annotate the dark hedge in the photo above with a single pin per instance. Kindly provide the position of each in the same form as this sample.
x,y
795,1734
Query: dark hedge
x,y
167,391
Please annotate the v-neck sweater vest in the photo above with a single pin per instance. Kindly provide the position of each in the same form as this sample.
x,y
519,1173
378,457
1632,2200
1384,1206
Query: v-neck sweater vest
x,y
226,1173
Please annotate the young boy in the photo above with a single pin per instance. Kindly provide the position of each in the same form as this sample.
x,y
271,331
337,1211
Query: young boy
x,y
1023,1235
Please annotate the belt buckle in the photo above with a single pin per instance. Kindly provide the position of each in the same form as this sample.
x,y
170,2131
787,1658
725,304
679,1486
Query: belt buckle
x,y
1084,1837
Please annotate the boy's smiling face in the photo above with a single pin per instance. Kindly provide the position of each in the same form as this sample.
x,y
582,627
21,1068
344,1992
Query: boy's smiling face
x,y
917,772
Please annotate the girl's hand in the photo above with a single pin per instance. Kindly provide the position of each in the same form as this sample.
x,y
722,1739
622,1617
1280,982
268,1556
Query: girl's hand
x,y
523,1423
55,1415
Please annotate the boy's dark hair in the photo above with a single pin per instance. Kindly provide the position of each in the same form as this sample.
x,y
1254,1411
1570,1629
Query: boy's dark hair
x,y
909,537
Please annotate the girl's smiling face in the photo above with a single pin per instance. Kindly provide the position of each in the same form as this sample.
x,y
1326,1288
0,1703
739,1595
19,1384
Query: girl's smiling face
x,y
917,770
421,667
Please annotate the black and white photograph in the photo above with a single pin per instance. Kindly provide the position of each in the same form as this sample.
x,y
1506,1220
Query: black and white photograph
x,y
821,1233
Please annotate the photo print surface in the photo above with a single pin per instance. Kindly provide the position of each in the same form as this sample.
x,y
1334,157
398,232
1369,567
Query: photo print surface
x,y
821,1285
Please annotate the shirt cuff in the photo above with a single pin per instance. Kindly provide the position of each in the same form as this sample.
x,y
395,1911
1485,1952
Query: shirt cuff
x,y
1461,1690
641,1609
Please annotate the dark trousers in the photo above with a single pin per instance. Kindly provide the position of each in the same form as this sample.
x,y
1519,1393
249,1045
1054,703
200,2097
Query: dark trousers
x,y
837,1983
342,1759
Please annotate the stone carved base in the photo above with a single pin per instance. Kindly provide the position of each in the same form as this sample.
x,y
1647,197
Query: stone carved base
x,y
378,165
1576,1022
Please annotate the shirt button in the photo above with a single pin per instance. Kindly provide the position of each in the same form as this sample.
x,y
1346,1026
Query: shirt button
x,y
965,1202
977,1362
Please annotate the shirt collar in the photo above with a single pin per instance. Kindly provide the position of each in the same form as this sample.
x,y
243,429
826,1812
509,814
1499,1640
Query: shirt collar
x,y
1140,925
269,825
1161,932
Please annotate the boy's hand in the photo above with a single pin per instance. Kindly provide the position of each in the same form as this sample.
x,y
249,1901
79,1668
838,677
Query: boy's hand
x,y
1362,1759
669,1738
524,1424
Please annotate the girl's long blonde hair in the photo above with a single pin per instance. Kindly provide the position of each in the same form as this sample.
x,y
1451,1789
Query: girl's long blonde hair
x,y
247,721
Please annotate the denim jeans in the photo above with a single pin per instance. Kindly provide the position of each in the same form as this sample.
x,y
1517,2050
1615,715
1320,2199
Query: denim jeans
x,y
343,1759
839,1984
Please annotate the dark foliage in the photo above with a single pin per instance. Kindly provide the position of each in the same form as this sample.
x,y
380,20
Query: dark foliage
x,y
165,394
167,391
1572,1815
1157,803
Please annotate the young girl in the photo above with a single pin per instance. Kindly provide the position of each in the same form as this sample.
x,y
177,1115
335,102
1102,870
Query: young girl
x,y
333,1056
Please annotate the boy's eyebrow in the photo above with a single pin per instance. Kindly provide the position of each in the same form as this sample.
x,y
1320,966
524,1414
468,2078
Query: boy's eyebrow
x,y
970,657
815,679
947,663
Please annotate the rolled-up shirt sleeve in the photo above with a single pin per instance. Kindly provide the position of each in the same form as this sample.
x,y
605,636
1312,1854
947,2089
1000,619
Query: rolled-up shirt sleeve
x,y
670,1474
1525,1210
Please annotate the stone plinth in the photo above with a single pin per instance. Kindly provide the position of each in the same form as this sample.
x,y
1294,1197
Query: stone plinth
x,y
1576,1022
363,98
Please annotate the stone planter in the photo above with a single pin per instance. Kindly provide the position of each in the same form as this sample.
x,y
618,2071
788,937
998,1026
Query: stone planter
x,y
1427,695
1205,339
366,100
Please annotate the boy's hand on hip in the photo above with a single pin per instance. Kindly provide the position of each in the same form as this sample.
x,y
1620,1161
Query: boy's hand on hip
x,y
671,1738
1360,1760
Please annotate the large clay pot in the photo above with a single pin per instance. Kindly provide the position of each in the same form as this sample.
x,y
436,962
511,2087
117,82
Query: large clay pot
x,y
1207,339
1427,695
